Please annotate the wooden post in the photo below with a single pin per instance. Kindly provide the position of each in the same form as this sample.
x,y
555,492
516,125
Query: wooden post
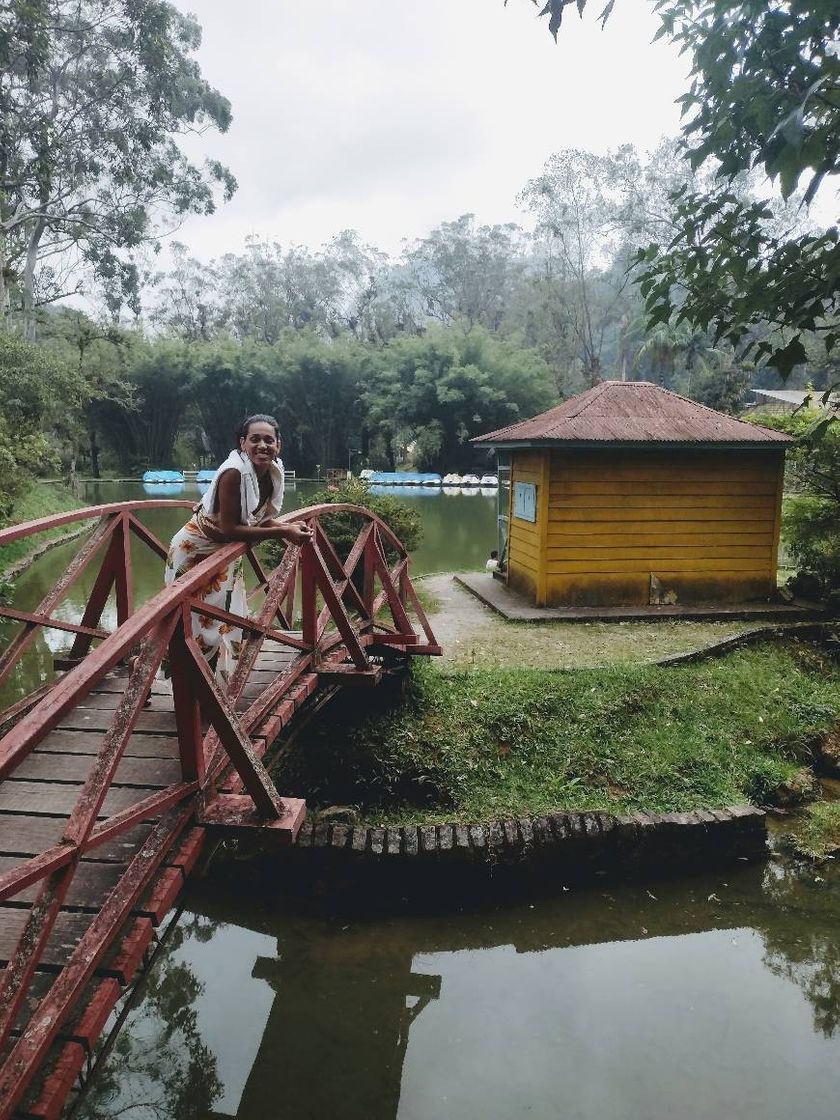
x,y
309,613
187,707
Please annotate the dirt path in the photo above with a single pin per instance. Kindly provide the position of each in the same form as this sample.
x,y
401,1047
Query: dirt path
x,y
473,636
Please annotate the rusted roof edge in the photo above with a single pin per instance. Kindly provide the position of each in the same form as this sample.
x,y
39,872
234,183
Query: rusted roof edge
x,y
701,445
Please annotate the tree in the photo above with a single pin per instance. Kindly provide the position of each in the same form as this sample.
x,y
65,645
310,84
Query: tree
x,y
592,210
763,94
141,430
98,350
161,1066
37,392
268,289
466,274
812,517
318,398
229,381
188,298
440,390
92,96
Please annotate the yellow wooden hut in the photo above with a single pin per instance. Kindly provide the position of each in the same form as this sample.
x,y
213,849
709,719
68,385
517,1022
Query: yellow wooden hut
x,y
629,494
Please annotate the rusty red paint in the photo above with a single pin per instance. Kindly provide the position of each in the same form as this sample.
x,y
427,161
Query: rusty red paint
x,y
246,624
336,609
635,412
42,1028
236,811
123,575
50,623
58,1084
89,513
309,617
189,851
22,641
161,898
233,738
144,810
131,950
34,869
147,536
88,1027
187,708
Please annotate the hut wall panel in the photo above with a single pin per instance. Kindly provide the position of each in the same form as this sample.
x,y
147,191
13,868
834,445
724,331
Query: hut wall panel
x,y
627,589
588,506
649,536
526,564
753,487
706,524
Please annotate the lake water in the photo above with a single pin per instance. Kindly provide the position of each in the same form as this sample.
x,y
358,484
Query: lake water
x,y
711,997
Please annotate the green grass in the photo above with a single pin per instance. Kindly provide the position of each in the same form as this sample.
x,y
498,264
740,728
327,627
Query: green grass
x,y
490,743
817,832
40,500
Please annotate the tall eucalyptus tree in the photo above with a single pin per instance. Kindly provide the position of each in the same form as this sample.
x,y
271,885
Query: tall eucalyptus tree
x,y
93,97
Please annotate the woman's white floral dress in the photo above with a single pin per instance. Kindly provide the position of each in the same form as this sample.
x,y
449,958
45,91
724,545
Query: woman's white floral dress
x,y
221,641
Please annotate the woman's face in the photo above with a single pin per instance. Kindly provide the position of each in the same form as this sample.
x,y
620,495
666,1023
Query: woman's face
x,y
260,444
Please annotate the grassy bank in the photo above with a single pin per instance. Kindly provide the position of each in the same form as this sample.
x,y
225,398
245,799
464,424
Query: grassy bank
x,y
494,743
817,832
39,500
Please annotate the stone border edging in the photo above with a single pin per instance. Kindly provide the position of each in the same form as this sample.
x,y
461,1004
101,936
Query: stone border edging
x,y
736,831
749,638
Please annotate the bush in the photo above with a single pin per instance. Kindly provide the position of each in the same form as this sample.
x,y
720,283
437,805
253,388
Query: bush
x,y
811,523
36,394
812,531
343,528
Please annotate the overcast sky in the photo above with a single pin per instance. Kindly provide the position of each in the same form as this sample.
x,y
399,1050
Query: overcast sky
x,y
391,116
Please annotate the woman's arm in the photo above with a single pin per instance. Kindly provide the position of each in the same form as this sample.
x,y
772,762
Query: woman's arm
x,y
231,528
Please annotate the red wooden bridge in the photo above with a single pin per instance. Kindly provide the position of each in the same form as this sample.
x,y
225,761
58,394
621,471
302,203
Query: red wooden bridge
x,y
111,774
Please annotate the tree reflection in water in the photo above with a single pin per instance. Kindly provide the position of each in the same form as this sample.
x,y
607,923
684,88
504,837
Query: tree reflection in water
x,y
343,989
801,936
159,1066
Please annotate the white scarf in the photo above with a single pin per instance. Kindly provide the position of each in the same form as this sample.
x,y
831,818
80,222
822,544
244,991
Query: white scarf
x,y
249,488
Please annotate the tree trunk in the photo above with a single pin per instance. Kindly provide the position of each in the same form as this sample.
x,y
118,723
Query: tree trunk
x,y
94,454
593,370
4,294
29,280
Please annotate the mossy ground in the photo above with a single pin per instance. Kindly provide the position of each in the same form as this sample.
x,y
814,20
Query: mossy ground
x,y
39,500
491,743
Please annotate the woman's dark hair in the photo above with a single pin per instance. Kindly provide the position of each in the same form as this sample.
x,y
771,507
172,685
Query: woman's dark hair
x,y
257,418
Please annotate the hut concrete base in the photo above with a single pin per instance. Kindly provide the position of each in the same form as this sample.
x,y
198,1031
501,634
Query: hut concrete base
x,y
514,606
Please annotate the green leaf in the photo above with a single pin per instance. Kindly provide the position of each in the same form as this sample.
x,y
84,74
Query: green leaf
x,y
786,357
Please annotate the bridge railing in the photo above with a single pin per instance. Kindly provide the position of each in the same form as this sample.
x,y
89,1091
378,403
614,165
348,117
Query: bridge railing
x,y
353,612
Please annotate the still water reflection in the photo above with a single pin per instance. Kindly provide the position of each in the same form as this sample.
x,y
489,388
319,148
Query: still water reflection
x,y
712,997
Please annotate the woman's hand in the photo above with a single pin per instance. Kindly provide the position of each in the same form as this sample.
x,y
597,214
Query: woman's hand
x,y
298,534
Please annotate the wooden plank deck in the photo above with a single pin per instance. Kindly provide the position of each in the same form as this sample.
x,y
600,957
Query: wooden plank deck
x,y
35,804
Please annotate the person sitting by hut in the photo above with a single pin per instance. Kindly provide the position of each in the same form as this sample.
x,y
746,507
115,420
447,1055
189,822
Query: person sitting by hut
x,y
492,564
240,504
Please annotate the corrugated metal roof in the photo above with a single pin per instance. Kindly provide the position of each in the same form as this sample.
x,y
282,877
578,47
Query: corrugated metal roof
x,y
632,412
798,396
